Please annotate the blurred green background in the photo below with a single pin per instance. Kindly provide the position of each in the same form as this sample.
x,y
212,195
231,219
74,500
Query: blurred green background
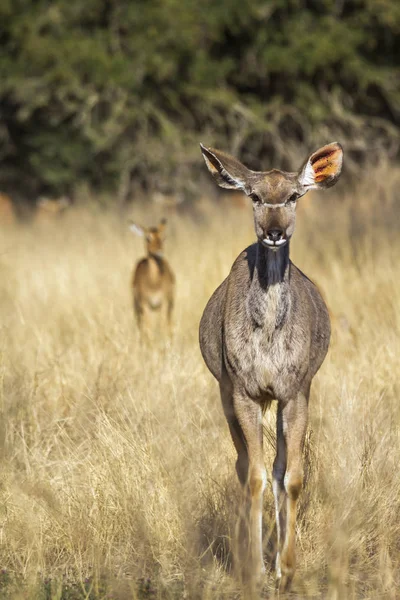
x,y
115,95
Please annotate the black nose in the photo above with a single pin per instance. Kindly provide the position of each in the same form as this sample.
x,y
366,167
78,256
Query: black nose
x,y
275,234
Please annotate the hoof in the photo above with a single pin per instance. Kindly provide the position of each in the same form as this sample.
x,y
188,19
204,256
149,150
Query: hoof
x,y
283,576
253,575
253,584
283,582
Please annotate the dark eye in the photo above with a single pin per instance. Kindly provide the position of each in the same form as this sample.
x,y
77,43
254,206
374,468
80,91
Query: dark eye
x,y
255,198
292,199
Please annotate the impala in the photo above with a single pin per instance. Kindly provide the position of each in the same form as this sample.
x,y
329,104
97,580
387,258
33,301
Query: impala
x,y
153,283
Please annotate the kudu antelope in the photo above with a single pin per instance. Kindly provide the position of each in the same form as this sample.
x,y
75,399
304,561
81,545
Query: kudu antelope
x,y
153,282
263,335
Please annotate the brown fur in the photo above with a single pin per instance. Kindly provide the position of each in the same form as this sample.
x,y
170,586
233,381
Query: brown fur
x,y
153,284
264,334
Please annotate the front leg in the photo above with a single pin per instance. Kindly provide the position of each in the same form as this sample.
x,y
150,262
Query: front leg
x,y
170,308
292,424
278,487
251,471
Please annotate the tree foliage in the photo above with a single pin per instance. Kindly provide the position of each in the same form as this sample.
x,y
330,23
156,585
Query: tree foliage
x,y
118,93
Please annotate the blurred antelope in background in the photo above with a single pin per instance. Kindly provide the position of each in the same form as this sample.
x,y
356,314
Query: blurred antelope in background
x,y
153,283
263,335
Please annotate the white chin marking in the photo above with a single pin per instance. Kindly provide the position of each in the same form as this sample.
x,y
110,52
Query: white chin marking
x,y
274,245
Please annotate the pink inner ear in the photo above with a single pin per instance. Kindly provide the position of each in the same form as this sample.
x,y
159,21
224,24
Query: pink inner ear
x,y
326,163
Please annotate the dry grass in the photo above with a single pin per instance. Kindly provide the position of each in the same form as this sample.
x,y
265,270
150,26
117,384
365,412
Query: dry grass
x,y
116,464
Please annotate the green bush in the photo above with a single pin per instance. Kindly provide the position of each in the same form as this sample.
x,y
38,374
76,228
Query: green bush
x,y
118,94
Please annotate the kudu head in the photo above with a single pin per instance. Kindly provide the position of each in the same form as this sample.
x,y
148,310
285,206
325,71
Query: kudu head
x,y
275,193
154,236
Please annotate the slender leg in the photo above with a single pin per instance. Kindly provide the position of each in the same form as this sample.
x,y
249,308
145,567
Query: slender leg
x,y
138,312
146,324
248,428
244,417
242,462
278,487
240,541
170,307
294,424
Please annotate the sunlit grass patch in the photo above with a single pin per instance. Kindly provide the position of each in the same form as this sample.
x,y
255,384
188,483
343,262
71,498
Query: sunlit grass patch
x,y
116,462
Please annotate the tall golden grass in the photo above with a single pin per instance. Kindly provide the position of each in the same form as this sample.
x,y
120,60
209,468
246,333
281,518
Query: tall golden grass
x,y
117,469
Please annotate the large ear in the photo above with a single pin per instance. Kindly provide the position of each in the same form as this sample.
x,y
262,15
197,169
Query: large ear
x,y
323,167
227,171
137,229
